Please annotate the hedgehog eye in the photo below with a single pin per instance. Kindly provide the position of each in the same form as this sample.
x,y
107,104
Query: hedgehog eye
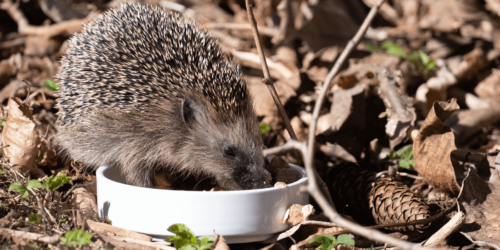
x,y
229,151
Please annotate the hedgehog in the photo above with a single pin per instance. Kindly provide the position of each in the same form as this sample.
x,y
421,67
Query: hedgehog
x,y
144,90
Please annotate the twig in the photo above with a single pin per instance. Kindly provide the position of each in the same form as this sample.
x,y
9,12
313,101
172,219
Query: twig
x,y
24,28
288,146
104,228
380,174
439,238
481,243
70,191
32,236
243,26
267,80
41,211
286,22
6,217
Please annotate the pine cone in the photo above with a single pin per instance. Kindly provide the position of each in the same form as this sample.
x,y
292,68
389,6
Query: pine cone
x,y
356,192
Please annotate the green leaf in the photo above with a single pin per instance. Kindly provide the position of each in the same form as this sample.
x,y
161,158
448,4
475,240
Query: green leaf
x,y
205,243
50,84
327,241
393,48
185,247
63,220
371,47
35,218
323,238
3,122
19,187
347,239
264,129
186,240
423,57
34,184
391,155
431,65
53,184
181,230
2,172
184,235
408,164
76,237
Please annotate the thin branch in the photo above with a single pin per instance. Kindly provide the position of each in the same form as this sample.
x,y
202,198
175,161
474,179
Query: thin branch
x,y
267,31
267,80
288,146
481,243
24,28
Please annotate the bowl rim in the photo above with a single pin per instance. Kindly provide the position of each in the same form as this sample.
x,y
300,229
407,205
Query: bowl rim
x,y
300,170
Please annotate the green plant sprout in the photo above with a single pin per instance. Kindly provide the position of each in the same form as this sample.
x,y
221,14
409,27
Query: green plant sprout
x,y
2,172
53,183
418,59
76,237
50,184
264,129
186,240
50,84
35,218
404,157
328,241
31,185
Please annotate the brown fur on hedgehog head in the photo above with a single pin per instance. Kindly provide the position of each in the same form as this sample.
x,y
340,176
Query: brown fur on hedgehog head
x,y
144,90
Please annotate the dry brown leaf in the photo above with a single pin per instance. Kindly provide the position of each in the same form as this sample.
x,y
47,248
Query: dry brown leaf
x,y
335,150
219,243
20,137
386,10
40,46
493,5
466,123
331,25
252,60
483,219
490,86
7,70
400,112
297,214
433,146
300,130
342,106
447,15
263,102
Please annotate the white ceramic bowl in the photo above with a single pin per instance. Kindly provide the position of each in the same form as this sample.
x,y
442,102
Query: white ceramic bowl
x,y
239,216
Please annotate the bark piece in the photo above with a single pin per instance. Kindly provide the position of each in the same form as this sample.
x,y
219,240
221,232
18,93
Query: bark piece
x,y
116,231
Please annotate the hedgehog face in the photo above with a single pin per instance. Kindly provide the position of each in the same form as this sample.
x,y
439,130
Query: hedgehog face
x,y
231,149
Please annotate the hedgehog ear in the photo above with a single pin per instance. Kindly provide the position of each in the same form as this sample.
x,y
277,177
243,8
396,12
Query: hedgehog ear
x,y
191,111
